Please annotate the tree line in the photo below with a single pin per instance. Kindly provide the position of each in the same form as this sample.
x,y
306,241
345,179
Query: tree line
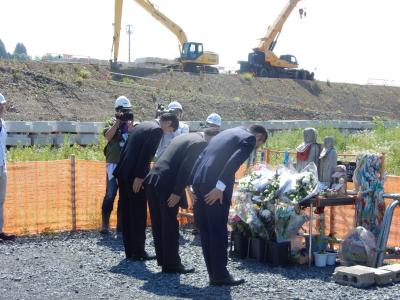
x,y
20,52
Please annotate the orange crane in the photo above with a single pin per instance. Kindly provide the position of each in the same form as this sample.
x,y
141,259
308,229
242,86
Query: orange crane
x,y
263,62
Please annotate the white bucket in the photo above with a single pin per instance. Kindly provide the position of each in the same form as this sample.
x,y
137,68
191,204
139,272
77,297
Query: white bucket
x,y
331,258
320,259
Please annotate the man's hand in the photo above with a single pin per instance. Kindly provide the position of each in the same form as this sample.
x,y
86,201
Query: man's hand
x,y
137,184
173,200
192,195
214,195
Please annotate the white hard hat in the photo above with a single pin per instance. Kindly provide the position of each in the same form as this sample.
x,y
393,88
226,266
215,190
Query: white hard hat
x,y
175,105
214,119
2,99
123,102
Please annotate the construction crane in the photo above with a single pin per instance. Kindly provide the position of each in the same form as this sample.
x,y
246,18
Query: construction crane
x,y
263,62
192,56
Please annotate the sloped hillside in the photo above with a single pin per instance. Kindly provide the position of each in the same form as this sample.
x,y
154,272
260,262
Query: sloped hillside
x,y
55,91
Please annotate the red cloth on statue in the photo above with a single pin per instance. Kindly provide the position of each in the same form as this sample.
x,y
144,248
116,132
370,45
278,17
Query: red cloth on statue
x,y
303,155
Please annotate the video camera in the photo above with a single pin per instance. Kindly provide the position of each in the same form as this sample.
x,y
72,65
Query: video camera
x,y
127,114
162,110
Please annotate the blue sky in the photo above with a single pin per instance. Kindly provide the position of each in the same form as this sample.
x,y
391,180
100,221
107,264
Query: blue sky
x,y
340,40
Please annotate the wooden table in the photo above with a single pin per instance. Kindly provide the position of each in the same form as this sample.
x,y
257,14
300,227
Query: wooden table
x,y
320,202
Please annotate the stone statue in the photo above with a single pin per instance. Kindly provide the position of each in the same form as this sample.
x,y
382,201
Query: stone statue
x,y
327,161
309,150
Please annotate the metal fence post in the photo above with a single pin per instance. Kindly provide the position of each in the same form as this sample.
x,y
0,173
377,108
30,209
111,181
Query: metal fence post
x,y
73,194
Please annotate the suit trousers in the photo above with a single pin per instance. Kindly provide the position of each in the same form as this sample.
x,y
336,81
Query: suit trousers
x,y
212,221
134,215
165,227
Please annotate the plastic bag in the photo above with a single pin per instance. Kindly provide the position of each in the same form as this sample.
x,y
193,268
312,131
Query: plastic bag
x,y
287,222
358,248
257,182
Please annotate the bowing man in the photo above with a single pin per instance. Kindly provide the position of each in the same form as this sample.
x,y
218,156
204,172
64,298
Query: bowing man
x,y
165,188
133,166
212,181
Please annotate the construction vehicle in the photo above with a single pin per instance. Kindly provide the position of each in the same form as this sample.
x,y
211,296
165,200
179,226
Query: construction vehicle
x,y
192,56
263,62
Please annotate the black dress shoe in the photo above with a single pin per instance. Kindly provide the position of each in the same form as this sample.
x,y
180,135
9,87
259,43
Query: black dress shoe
x,y
7,237
229,281
180,270
141,257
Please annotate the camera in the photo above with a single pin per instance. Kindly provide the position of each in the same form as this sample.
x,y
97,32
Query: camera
x,y
162,110
127,115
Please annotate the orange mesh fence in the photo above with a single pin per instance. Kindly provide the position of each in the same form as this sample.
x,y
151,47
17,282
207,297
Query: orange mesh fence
x,y
90,187
40,198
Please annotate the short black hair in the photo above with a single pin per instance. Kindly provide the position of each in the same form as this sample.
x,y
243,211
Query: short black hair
x,y
259,129
170,117
212,131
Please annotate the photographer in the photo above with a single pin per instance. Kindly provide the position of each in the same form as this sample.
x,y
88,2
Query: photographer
x,y
177,109
116,134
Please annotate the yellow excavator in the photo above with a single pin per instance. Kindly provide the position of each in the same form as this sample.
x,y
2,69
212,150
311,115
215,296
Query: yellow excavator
x,y
263,62
192,56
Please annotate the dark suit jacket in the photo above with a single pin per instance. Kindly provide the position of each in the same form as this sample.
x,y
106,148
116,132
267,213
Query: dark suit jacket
x,y
138,151
172,169
222,158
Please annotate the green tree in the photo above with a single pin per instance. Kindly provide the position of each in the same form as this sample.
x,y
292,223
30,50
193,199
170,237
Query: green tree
x,y
20,49
3,52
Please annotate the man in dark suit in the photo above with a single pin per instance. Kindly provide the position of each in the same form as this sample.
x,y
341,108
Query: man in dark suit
x,y
212,181
165,189
133,166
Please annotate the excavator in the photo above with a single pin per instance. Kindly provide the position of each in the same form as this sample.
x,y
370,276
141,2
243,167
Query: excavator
x,y
263,62
192,56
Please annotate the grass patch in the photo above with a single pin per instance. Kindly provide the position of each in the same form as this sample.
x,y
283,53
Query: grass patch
x,y
379,140
84,73
247,76
47,152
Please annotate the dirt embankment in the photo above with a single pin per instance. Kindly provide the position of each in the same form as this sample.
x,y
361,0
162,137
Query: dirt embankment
x,y
55,91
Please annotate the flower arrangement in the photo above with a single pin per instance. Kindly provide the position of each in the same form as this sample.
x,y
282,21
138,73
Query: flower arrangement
x,y
269,201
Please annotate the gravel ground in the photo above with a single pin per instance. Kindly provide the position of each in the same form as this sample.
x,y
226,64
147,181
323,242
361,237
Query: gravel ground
x,y
86,265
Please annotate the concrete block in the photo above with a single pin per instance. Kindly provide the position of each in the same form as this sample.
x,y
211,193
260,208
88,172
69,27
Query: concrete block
x,y
13,134
59,139
18,126
382,277
354,276
41,127
86,127
87,139
42,139
65,127
16,140
99,126
393,268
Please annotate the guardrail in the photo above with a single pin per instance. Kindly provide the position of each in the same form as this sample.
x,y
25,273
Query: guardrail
x,y
86,133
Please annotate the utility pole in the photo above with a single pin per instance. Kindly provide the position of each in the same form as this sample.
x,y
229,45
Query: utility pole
x,y
129,31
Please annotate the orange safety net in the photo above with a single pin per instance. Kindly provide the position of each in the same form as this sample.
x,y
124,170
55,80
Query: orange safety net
x,y
40,199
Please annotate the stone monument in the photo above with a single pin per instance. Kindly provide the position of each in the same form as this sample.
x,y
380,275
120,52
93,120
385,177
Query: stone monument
x,y
327,161
309,150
